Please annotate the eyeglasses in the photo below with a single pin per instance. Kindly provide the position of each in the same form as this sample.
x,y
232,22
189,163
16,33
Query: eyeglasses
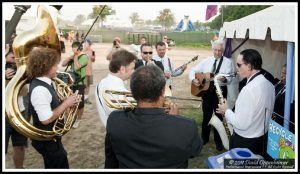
x,y
239,64
147,52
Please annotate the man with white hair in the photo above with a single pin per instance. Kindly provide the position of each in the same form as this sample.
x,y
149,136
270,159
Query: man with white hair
x,y
216,64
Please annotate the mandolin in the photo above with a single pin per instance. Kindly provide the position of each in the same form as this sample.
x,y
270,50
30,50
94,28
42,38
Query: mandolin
x,y
193,59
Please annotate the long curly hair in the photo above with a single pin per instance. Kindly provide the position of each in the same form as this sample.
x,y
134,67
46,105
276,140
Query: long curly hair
x,y
40,61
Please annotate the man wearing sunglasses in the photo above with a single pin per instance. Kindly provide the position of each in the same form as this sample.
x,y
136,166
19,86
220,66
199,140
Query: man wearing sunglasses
x,y
146,54
253,107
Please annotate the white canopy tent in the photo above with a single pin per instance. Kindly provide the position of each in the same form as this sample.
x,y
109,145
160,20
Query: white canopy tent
x,y
270,31
280,19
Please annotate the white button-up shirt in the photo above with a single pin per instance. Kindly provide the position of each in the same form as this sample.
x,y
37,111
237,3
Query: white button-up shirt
x,y
110,82
41,99
250,119
206,66
167,69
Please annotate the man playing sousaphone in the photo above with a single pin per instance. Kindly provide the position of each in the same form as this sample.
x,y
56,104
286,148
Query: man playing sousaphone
x,y
215,64
45,105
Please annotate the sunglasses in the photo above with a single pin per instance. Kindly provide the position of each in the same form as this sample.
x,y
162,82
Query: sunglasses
x,y
147,52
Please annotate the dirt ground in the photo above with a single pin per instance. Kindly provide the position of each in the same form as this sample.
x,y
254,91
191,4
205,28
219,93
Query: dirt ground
x,y
85,145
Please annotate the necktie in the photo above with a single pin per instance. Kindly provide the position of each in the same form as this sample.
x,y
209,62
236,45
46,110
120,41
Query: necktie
x,y
214,66
146,63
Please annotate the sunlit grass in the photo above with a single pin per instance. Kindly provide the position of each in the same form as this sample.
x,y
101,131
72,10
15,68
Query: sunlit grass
x,y
209,149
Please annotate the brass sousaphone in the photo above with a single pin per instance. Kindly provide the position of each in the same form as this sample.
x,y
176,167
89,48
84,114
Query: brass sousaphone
x,y
42,35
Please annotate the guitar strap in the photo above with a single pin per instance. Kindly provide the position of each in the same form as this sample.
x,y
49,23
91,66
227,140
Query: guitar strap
x,y
170,65
219,65
170,71
211,85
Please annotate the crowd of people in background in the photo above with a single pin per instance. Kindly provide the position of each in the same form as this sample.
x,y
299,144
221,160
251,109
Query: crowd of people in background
x,y
71,36
126,146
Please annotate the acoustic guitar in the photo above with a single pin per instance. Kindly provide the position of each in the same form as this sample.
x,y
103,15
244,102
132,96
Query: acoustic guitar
x,y
204,83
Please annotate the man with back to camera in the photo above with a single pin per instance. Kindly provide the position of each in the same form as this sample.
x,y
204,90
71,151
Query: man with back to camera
x,y
147,136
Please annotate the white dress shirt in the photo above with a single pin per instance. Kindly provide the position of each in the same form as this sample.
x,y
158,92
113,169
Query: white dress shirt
x,y
110,82
206,66
41,99
165,62
250,118
144,62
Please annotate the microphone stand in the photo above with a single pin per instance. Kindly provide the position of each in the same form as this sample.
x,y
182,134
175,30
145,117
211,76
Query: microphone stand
x,y
12,25
91,27
80,45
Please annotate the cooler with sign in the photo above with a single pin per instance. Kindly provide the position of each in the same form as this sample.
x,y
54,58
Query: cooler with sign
x,y
217,162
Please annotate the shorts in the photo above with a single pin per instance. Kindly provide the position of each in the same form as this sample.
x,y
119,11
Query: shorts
x,y
80,89
16,138
89,80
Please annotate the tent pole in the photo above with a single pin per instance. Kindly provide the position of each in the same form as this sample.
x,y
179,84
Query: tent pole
x,y
240,45
290,83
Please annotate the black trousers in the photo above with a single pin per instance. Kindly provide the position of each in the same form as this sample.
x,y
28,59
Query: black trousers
x,y
54,154
257,145
209,104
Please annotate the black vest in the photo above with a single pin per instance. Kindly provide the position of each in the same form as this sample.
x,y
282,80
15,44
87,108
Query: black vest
x,y
54,103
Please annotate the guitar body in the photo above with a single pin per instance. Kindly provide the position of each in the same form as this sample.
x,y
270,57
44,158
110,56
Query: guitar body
x,y
204,83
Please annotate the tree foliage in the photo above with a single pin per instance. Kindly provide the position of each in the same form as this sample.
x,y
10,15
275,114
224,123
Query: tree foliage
x,y
199,25
234,12
79,19
106,12
148,22
166,18
134,18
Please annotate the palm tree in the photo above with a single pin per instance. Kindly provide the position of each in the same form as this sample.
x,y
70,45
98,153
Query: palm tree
x,y
166,18
134,18
79,19
106,12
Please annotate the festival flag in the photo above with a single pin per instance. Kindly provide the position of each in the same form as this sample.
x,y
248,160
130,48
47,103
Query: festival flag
x,y
211,11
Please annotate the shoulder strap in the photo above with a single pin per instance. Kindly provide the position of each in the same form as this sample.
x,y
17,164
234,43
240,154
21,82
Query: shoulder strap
x,y
71,61
219,66
170,64
80,57
82,78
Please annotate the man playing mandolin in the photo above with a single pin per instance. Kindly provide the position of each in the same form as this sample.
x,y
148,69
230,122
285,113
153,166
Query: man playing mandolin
x,y
169,67
201,77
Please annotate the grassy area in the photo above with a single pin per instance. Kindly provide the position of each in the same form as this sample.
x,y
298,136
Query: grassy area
x,y
195,45
209,149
